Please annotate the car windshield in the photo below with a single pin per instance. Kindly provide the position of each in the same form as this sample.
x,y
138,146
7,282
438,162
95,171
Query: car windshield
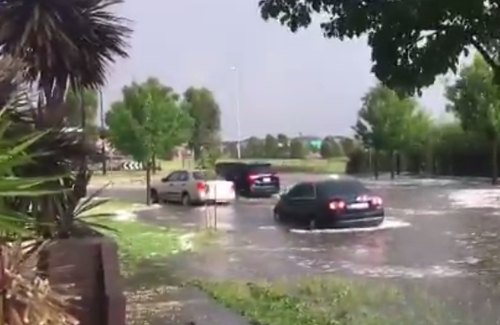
x,y
205,175
341,187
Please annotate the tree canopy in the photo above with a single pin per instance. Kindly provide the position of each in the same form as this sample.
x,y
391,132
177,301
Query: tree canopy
x,y
201,105
475,99
148,122
384,119
412,41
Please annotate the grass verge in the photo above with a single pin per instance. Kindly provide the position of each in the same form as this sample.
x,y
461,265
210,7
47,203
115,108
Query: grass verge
x,y
327,300
143,247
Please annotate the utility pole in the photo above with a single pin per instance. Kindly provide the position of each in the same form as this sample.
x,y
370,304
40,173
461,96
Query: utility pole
x,y
237,104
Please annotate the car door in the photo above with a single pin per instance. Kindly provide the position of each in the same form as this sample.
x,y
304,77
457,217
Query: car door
x,y
181,185
299,201
167,189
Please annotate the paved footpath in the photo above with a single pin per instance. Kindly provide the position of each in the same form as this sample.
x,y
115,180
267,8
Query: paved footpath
x,y
180,306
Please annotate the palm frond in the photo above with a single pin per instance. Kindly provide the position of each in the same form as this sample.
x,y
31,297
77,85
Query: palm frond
x,y
30,299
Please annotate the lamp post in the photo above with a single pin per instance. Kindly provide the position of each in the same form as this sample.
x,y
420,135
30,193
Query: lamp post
x,y
237,104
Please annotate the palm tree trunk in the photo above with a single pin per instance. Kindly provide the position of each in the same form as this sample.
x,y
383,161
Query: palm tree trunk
x,y
375,164
494,161
153,163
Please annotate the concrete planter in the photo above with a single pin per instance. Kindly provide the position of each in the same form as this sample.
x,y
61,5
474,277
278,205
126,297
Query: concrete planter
x,y
91,267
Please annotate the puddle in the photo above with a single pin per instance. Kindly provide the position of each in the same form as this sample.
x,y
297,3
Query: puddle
x,y
412,212
475,198
389,223
383,271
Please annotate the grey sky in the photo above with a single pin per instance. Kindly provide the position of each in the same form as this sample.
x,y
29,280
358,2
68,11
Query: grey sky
x,y
289,83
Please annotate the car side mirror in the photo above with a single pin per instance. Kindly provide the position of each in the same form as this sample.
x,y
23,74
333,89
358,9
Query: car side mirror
x,y
164,179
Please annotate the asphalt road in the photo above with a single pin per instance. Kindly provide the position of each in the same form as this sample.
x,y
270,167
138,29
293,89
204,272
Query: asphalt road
x,y
444,234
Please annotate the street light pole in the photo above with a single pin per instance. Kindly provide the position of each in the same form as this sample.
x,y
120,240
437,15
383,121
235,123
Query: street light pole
x,y
103,145
237,104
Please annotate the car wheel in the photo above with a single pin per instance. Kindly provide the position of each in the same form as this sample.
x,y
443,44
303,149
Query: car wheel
x,y
155,199
186,199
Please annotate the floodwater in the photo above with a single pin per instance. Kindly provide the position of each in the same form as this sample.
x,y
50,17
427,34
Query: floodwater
x,y
441,234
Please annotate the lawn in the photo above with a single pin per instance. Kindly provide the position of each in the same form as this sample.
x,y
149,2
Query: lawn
x,y
329,300
138,241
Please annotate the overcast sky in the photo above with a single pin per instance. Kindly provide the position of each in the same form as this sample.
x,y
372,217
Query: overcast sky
x,y
288,83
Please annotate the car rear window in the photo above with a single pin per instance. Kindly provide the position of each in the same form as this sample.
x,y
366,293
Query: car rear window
x,y
342,187
205,176
260,169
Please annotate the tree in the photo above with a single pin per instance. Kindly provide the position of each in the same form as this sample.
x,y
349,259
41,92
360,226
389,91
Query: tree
x,y
271,146
254,148
205,112
297,149
412,41
283,146
383,122
475,99
64,44
348,145
421,138
330,148
148,122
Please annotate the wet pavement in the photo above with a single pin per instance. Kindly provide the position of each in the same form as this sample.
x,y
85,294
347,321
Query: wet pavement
x,y
441,234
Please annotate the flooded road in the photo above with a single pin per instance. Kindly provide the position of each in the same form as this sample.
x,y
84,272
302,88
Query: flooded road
x,y
442,234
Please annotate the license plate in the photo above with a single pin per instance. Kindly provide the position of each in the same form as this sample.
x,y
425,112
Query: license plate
x,y
266,179
358,206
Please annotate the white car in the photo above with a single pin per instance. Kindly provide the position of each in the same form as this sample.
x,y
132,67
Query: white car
x,y
192,186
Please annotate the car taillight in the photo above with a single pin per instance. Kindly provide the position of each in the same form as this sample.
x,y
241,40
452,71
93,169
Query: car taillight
x,y
201,186
337,205
232,187
376,200
252,178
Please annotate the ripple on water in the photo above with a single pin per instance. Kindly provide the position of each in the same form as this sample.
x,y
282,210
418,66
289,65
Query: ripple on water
x,y
475,198
384,271
389,223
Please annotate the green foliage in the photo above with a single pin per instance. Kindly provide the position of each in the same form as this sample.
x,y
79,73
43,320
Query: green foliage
x,y
149,121
330,148
254,148
297,149
270,146
475,99
412,41
283,145
201,105
384,119
329,300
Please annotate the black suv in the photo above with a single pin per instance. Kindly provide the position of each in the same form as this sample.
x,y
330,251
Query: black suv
x,y
250,179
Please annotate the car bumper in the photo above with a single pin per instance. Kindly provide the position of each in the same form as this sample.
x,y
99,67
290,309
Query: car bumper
x,y
211,199
264,190
361,219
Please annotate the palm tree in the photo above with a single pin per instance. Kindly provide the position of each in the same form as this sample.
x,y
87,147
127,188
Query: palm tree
x,y
63,43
